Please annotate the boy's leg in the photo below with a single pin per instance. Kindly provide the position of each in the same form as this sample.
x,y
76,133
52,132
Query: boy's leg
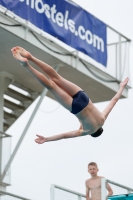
x,y
62,97
66,85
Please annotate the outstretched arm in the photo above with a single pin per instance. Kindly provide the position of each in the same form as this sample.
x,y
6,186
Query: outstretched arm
x,y
114,100
40,139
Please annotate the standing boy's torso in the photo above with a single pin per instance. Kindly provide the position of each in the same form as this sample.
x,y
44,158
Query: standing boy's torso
x,y
94,186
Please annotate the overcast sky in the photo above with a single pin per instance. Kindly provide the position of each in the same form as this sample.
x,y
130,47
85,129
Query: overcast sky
x,y
64,162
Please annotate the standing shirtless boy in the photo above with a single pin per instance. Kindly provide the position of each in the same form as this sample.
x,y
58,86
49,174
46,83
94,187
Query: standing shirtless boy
x,y
93,185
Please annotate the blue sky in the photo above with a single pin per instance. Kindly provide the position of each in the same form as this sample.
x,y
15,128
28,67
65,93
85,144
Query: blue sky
x,y
36,167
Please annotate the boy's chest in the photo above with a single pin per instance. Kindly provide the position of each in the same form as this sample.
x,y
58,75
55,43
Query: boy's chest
x,y
94,183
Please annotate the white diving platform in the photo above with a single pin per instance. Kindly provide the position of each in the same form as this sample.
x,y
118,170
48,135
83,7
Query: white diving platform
x,y
98,82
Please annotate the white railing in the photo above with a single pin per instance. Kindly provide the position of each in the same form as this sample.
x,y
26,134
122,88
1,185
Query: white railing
x,y
59,193
118,189
9,196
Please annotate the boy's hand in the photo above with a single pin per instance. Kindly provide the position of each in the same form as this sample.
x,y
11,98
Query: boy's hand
x,y
124,83
40,139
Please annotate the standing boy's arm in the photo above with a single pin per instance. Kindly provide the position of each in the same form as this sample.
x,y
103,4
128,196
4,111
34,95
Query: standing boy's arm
x,y
87,191
110,191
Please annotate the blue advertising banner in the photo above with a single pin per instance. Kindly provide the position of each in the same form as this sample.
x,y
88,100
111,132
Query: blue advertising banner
x,y
121,197
65,21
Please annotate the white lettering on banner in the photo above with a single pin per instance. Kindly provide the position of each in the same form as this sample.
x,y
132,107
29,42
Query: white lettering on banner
x,y
97,41
59,19
40,10
46,10
88,36
63,20
53,11
80,31
71,24
32,4
66,19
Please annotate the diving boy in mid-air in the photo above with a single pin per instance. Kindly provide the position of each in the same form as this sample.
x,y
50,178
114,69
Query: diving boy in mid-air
x,y
70,96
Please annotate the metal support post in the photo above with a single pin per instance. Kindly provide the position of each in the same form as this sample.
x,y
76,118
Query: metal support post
x,y
75,55
103,189
79,197
5,80
1,118
116,63
120,67
77,59
1,102
26,29
52,192
128,191
128,59
25,131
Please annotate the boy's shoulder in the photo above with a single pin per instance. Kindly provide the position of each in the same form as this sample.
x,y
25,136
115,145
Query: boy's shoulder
x,y
100,177
88,180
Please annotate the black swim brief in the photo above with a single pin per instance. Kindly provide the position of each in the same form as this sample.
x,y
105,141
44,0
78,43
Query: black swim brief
x,y
80,101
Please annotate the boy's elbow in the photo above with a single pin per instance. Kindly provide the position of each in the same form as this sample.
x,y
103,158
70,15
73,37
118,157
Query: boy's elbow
x,y
80,131
77,133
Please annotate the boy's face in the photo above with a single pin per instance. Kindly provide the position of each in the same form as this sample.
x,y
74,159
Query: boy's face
x,y
92,169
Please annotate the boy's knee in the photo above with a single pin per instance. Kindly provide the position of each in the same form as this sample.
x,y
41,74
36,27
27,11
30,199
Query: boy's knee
x,y
56,78
51,85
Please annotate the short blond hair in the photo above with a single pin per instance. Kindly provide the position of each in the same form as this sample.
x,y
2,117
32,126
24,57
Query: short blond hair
x,y
92,163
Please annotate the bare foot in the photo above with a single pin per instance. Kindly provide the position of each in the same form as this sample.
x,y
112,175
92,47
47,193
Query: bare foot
x,y
22,52
22,61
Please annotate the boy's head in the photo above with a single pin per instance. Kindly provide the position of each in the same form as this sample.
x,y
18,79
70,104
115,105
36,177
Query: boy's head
x,y
98,132
93,169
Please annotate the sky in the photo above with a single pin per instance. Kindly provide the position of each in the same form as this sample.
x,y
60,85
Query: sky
x,y
64,162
